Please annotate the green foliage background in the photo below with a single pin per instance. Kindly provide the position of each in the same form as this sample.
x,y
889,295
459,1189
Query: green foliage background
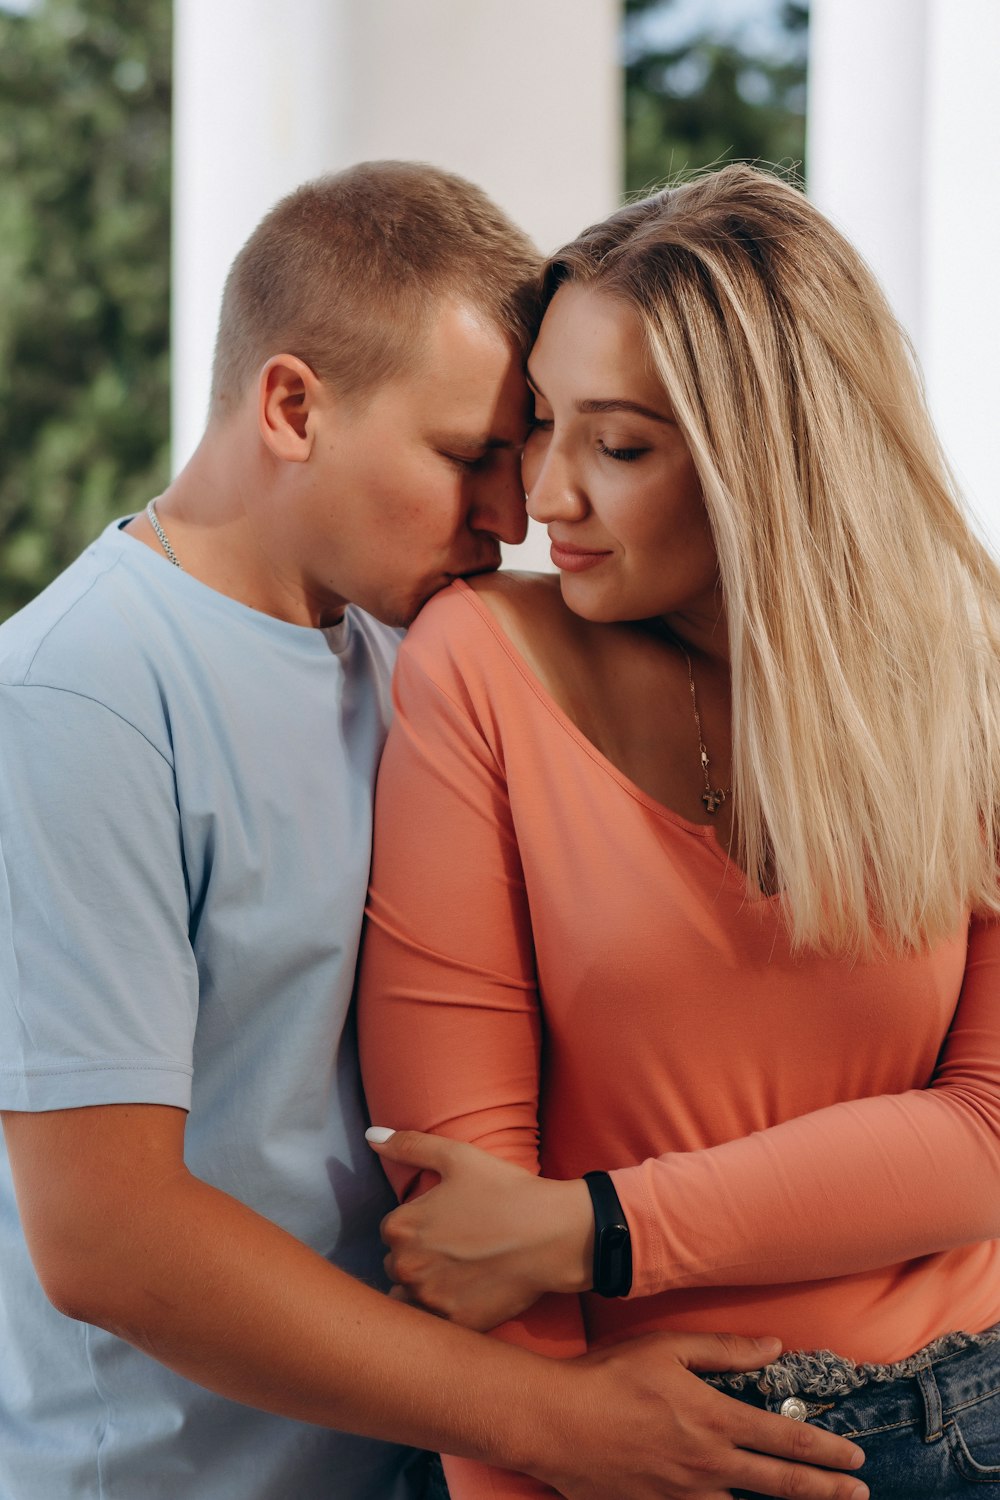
x,y
84,237
84,276
713,96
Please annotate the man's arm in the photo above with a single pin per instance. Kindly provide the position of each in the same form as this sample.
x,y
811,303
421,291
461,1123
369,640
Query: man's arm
x,y
122,1235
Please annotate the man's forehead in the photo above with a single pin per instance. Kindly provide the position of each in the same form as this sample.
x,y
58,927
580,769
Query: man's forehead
x,y
461,346
475,440
481,402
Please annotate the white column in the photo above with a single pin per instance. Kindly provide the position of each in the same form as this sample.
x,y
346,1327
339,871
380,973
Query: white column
x,y
904,123
960,332
520,96
258,107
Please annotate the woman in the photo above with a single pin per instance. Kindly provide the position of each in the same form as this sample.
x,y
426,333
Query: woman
x,y
686,867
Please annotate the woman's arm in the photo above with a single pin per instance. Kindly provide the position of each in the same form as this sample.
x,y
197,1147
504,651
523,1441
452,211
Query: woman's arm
x,y
855,1186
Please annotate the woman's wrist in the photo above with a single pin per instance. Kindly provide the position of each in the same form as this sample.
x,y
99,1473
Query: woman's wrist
x,y
570,1258
612,1273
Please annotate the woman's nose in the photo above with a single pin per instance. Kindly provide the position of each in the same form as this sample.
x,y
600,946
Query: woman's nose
x,y
550,488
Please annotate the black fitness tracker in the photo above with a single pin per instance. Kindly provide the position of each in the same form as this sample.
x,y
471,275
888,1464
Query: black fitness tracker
x,y
612,1241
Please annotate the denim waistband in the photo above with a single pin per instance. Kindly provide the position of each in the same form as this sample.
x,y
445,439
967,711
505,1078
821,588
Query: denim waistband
x,y
822,1373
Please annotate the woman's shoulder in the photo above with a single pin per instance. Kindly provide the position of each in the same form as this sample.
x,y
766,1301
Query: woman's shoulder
x,y
521,601
524,617
529,609
524,608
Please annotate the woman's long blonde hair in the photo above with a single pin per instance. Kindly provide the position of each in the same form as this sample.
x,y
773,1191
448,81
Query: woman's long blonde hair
x,y
863,612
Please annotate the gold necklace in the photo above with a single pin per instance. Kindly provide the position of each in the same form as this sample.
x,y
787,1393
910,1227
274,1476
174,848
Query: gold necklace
x,y
713,797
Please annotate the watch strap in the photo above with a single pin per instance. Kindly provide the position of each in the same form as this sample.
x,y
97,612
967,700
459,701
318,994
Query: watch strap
x,y
612,1241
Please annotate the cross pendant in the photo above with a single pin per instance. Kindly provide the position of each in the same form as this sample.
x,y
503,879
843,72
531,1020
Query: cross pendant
x,y
713,800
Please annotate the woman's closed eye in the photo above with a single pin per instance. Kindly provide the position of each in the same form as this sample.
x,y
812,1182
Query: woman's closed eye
x,y
620,455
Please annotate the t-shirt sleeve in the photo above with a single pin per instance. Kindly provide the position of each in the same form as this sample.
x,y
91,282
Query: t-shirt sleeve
x,y
851,1187
98,983
448,1006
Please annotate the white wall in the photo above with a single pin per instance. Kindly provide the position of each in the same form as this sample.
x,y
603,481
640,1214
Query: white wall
x,y
522,96
904,128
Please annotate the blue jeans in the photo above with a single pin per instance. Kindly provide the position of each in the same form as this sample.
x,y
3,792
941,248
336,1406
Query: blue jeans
x,y
930,1434
437,1485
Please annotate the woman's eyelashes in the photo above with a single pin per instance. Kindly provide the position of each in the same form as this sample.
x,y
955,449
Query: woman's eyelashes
x,y
620,455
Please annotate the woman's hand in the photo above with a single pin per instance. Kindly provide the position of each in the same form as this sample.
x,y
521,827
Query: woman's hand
x,y
490,1239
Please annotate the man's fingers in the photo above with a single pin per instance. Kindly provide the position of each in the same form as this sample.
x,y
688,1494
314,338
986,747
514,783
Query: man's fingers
x,y
784,1437
768,1476
789,1459
411,1148
727,1351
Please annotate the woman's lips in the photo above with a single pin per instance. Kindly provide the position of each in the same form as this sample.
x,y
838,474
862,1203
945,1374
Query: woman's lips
x,y
574,559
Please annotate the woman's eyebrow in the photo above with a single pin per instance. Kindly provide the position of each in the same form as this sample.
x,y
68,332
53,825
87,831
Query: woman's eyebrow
x,y
595,408
591,408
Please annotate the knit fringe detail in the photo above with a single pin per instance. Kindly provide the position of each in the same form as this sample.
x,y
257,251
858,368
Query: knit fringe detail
x,y
820,1372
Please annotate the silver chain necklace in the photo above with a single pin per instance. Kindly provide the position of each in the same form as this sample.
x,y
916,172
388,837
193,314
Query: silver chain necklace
x,y
154,521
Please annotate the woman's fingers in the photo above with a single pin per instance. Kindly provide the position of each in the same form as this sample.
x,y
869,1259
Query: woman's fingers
x,y
412,1148
489,1238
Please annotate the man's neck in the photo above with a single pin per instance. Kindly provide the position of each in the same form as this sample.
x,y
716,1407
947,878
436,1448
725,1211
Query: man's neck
x,y
223,542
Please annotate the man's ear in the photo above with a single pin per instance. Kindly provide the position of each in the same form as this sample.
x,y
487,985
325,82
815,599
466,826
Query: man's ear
x,y
287,394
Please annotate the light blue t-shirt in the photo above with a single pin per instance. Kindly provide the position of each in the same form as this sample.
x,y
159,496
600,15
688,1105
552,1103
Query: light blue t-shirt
x,y
185,823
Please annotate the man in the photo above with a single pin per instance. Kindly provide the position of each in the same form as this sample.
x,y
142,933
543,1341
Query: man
x,y
191,723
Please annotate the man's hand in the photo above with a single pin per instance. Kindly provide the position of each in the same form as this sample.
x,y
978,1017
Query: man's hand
x,y
122,1235
678,1437
490,1239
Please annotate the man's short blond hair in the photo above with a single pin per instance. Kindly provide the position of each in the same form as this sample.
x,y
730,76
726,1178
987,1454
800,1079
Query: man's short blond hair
x,y
345,271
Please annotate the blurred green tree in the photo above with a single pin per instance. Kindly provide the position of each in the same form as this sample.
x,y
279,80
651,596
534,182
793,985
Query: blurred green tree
x,y
714,94
84,234
84,276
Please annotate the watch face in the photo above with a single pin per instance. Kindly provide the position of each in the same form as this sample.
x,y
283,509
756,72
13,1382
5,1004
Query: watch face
x,y
616,1259
612,1244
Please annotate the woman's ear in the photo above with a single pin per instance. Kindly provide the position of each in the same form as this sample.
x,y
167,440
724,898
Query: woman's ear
x,y
287,394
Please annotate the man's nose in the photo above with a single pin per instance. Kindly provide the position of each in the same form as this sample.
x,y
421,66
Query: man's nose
x,y
500,508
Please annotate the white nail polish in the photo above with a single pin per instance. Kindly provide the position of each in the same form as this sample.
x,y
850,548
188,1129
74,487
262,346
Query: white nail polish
x,y
378,1134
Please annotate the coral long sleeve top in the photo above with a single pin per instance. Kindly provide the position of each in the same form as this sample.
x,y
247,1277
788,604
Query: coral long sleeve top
x,y
566,973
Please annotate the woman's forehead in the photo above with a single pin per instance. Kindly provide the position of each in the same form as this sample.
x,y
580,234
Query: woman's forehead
x,y
594,345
